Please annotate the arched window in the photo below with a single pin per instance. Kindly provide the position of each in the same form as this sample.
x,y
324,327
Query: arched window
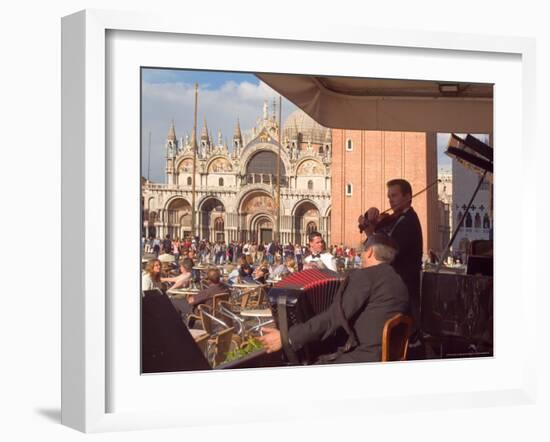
x,y
218,225
349,145
477,221
321,150
220,182
310,185
265,162
486,222
459,217
189,181
468,220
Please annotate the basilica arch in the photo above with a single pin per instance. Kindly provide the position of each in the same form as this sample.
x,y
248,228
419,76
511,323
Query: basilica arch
x,y
211,216
178,217
261,159
219,164
310,166
257,215
307,219
150,224
261,227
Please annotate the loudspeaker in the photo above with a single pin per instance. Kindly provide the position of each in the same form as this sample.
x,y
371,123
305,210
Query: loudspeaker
x,y
166,344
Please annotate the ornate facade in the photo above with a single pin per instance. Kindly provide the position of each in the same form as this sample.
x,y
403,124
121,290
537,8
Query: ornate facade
x,y
236,188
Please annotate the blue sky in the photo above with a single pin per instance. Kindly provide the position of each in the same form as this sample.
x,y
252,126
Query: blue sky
x,y
206,79
168,94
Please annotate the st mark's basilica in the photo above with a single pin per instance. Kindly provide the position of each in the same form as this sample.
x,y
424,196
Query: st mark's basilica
x,y
236,187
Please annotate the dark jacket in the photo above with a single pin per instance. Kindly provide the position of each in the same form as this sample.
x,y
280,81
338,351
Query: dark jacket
x,y
408,262
205,295
373,295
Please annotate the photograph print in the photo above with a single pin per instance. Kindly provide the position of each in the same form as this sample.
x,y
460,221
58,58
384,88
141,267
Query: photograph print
x,y
294,220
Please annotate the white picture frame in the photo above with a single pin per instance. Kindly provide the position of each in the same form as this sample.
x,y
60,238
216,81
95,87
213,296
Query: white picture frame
x,y
88,316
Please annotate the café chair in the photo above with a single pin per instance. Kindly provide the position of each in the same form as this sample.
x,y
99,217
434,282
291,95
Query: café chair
x,y
240,297
228,316
252,298
221,345
208,321
202,342
220,297
395,338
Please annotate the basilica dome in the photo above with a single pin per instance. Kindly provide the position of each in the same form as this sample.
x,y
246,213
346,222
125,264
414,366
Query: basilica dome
x,y
298,122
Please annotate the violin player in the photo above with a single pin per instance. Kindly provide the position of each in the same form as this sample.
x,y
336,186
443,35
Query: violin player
x,y
403,226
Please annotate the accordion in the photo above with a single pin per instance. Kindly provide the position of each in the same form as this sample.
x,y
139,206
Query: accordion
x,y
298,298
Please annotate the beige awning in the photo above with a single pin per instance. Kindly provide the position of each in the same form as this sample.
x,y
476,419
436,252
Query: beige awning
x,y
398,105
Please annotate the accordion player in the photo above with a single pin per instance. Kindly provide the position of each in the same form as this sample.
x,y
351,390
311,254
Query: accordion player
x,y
358,309
298,298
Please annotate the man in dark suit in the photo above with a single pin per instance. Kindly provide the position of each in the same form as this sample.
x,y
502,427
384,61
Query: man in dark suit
x,y
373,295
404,227
215,287
187,306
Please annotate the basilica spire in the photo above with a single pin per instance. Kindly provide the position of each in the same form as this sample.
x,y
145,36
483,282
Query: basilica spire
x,y
265,110
237,133
204,133
237,136
172,133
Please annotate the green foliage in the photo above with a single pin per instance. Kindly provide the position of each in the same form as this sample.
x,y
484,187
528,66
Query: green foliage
x,y
250,346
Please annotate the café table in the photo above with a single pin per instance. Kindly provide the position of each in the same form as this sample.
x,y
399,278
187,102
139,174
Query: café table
x,y
182,293
248,285
263,316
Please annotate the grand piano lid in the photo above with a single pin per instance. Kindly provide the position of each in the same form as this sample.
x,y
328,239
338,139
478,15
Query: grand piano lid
x,y
472,154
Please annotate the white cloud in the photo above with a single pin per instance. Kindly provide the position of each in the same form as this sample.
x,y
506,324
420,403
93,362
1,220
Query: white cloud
x,y
221,107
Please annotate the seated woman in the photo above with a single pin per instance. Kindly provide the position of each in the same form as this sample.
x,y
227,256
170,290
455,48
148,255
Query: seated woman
x,y
185,276
262,272
278,269
245,269
150,278
291,265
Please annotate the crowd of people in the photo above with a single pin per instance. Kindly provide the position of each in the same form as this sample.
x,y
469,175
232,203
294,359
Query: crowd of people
x,y
220,253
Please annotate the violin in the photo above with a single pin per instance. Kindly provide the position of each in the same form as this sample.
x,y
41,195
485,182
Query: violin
x,y
383,221
386,219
